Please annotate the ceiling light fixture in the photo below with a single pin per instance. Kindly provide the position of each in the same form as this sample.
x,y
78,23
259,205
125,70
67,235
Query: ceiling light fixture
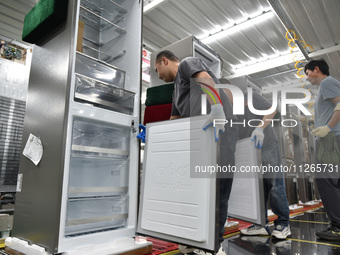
x,y
237,27
152,5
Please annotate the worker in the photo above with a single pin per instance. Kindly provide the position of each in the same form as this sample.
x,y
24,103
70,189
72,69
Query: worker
x,y
192,77
264,138
327,133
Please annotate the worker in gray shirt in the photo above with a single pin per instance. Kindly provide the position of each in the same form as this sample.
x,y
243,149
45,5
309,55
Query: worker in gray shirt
x,y
192,78
327,133
264,138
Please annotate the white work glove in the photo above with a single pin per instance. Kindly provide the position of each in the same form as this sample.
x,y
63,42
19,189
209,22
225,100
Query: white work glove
x,y
300,118
307,121
304,120
321,131
218,115
257,137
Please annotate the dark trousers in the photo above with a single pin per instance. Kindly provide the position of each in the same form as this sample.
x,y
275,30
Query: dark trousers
x,y
329,189
227,157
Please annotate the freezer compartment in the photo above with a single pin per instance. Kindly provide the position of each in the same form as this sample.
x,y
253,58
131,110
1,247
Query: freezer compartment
x,y
91,68
103,95
97,177
86,215
100,139
107,9
98,29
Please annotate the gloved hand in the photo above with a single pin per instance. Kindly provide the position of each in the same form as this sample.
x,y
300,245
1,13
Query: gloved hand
x,y
321,131
257,137
308,121
300,118
216,113
142,134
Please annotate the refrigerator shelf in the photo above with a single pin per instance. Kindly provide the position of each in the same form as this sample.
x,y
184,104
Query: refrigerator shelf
x,y
103,103
98,30
92,68
108,9
81,148
75,192
100,55
96,219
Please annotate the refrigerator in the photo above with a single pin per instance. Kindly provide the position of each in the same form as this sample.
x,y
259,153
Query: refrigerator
x,y
83,107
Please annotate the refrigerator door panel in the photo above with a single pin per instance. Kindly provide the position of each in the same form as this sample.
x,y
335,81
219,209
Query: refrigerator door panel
x,y
174,205
246,200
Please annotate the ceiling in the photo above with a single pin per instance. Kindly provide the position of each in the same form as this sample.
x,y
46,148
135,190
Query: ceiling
x,y
258,49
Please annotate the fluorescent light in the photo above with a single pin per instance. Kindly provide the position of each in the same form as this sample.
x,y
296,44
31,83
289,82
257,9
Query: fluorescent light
x,y
152,5
237,27
264,65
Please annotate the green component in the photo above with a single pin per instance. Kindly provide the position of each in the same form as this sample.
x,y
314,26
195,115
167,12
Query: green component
x,y
328,151
44,17
159,94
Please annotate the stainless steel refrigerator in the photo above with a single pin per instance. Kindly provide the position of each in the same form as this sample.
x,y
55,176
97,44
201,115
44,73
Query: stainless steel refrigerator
x,y
84,107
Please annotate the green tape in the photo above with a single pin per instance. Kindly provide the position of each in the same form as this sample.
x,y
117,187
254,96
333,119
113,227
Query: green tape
x,y
43,18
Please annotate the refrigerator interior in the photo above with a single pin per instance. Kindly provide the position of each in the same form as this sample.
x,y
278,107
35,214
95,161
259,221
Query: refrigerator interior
x,y
102,170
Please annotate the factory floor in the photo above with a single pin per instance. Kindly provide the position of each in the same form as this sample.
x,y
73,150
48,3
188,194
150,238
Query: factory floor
x,y
302,242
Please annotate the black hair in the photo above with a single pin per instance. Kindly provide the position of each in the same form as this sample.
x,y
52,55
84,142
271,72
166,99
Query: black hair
x,y
321,63
168,54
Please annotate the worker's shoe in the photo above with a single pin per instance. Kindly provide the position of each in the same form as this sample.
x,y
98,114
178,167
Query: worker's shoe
x,y
188,250
221,251
332,233
281,232
256,230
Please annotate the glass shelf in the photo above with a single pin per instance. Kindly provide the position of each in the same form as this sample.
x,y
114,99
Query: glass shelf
x,y
106,8
99,150
95,191
92,51
103,95
98,30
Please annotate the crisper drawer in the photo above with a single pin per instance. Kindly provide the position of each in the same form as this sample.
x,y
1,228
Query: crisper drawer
x,y
86,215
91,176
100,139
91,68
103,95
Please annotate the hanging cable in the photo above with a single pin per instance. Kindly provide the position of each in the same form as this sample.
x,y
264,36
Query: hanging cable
x,y
292,45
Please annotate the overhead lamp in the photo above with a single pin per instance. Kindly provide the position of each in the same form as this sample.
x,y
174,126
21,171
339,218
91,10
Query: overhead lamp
x,y
152,5
237,27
